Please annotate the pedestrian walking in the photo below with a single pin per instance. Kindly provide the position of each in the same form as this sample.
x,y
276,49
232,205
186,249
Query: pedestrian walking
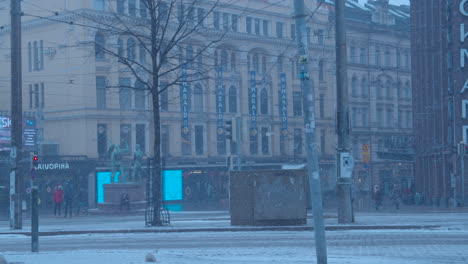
x,y
396,196
58,199
377,196
68,199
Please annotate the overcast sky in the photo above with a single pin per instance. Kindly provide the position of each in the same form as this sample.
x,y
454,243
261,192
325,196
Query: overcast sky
x,y
395,2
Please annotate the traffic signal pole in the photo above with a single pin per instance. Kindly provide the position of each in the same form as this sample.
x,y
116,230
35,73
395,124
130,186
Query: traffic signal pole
x,y
344,159
309,129
16,116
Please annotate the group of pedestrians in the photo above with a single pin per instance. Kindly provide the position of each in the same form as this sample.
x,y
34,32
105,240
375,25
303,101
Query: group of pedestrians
x,y
395,196
66,196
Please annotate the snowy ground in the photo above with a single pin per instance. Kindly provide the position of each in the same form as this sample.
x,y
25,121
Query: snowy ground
x,y
344,247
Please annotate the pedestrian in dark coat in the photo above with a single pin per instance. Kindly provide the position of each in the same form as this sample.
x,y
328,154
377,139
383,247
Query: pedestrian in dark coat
x,y
377,196
58,198
396,196
68,199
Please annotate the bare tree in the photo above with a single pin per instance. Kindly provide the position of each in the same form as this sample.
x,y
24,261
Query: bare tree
x,y
163,30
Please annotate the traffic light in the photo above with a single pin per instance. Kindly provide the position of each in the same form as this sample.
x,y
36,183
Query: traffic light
x,y
228,129
35,160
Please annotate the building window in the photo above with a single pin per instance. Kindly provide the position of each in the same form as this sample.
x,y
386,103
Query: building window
x,y
201,17
320,36
406,60
224,60
189,56
353,54
164,96
199,58
279,29
389,118
265,141
387,57
132,7
198,98
140,97
408,119
257,26
323,141
354,86
266,30
389,89
279,63
199,146
36,56
120,6
125,93
377,56
398,58
99,5
164,140
407,90
248,25
322,105
365,117
379,118
232,100
233,61
362,56
142,53
264,102
297,104
254,144
398,89
256,63
225,21
100,92
234,22
140,136
143,8
102,141
379,87
30,57
36,95
298,141
400,119
321,70
364,87
99,46
126,136
131,49
221,144
163,11
216,17
293,31
354,117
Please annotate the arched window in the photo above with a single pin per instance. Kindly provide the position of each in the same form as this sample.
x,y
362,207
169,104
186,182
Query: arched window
x,y
233,61
354,86
131,49
132,7
120,49
99,46
264,102
388,89
142,52
224,59
140,97
198,98
232,99
256,65
364,87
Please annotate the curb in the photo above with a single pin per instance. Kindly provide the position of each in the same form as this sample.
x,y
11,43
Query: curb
x,y
226,229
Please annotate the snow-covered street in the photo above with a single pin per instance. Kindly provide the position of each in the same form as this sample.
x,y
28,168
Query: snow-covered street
x,y
372,246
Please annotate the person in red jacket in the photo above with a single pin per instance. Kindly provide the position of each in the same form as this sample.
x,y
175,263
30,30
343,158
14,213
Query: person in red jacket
x,y
58,198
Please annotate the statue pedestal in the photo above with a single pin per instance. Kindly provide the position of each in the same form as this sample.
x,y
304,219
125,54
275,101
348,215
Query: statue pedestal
x,y
112,197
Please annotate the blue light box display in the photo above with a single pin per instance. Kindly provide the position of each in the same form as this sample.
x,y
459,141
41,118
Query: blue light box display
x,y
172,184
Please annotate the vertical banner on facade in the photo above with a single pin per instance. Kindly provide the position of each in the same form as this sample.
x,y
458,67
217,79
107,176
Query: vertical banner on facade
x,y
284,106
185,104
220,101
253,104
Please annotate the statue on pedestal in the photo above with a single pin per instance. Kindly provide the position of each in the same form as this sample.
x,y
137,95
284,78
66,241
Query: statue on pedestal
x,y
116,161
137,162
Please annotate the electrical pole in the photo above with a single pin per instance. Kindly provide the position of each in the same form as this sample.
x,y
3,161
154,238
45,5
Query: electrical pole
x,y
344,158
16,112
309,129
